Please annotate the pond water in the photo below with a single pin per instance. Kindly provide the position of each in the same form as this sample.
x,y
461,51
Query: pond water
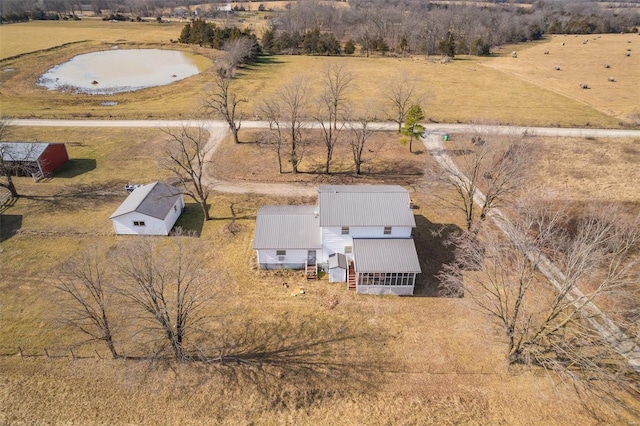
x,y
122,70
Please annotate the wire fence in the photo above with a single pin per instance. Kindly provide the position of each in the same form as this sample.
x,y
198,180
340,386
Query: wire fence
x,y
71,353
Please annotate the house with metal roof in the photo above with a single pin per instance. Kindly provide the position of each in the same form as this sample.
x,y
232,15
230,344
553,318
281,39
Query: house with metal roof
x,y
361,234
150,209
36,159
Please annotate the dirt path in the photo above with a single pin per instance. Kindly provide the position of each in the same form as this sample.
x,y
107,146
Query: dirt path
x,y
219,131
219,134
625,346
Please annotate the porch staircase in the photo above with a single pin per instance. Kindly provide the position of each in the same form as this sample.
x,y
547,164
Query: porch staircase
x,y
312,271
351,277
312,265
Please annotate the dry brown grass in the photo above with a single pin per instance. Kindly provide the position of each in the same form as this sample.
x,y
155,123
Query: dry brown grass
x,y
388,161
582,59
460,91
36,36
421,360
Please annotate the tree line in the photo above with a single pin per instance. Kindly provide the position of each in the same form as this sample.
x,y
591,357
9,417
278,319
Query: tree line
x,y
396,27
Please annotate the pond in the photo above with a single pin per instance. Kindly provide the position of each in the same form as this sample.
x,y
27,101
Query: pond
x,y
122,70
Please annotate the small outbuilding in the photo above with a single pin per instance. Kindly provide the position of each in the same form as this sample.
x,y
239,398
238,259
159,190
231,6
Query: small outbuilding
x,y
150,209
37,159
338,268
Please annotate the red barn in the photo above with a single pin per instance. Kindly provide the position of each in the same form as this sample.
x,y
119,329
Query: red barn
x,y
38,159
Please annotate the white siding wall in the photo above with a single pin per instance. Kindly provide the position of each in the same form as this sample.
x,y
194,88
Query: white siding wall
x,y
337,275
269,257
333,242
123,225
378,232
398,290
174,214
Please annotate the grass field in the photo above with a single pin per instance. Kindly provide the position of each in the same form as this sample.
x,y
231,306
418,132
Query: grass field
x,y
526,90
583,60
422,360
370,360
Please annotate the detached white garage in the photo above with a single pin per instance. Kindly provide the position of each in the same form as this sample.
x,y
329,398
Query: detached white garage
x,y
149,210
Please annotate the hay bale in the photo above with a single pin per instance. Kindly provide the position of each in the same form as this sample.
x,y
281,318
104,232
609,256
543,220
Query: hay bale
x,y
514,54
628,54
612,79
557,68
563,43
546,52
607,66
584,86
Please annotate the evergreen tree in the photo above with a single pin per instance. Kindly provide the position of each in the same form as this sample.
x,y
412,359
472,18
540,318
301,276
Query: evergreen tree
x,y
412,127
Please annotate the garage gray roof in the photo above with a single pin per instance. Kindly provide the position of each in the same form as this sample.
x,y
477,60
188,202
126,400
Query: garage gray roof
x,y
22,151
365,205
155,200
385,255
287,227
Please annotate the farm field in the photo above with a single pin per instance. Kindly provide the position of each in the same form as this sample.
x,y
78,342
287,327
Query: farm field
x,y
583,59
446,367
500,89
347,359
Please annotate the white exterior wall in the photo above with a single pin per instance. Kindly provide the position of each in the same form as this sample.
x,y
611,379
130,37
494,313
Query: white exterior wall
x,y
123,225
398,290
337,275
269,257
334,242
378,232
174,214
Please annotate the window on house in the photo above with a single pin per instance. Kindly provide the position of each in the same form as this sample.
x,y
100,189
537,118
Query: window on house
x,y
345,230
348,249
281,252
387,230
138,223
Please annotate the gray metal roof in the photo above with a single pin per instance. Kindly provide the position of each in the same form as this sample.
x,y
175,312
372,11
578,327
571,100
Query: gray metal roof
x,y
155,200
385,255
337,260
365,205
287,227
22,151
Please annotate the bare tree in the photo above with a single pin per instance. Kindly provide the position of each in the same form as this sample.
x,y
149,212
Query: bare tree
x,y
336,82
223,100
88,286
238,51
167,284
13,159
358,137
273,138
186,153
483,166
553,322
286,112
400,92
